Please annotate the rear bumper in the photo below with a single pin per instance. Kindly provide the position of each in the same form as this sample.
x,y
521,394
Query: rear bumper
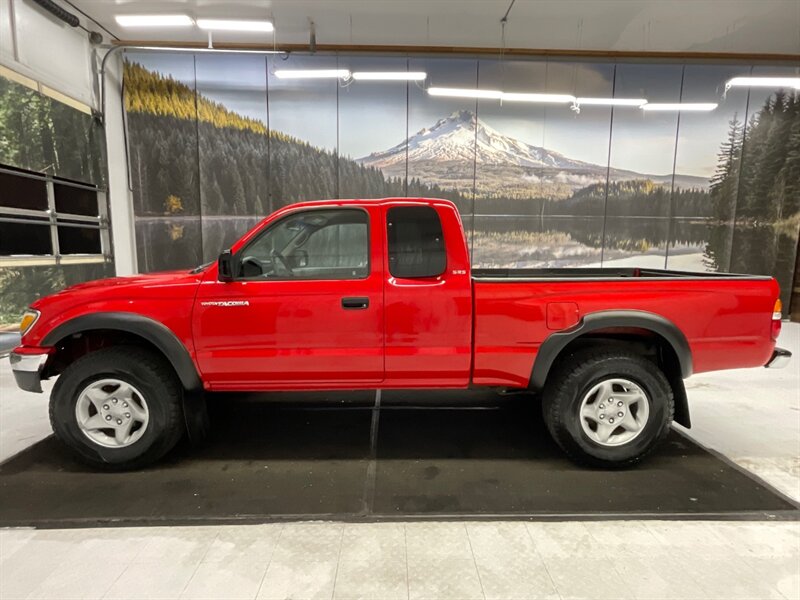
x,y
780,358
27,369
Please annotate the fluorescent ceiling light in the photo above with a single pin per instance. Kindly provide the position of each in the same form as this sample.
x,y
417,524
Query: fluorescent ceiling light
x,y
498,95
312,74
464,93
525,97
770,82
234,25
153,20
685,106
611,101
389,75
195,50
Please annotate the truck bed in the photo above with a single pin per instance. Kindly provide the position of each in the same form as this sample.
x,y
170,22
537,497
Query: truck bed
x,y
725,318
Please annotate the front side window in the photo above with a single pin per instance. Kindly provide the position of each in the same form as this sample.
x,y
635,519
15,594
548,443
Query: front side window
x,y
416,242
314,244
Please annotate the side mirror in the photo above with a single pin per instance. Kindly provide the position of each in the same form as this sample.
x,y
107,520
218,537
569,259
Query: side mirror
x,y
227,266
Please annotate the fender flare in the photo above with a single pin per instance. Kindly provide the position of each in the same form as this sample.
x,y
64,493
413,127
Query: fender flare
x,y
556,342
153,331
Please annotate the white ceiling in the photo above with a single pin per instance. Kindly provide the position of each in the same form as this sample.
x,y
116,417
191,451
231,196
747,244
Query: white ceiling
x,y
749,26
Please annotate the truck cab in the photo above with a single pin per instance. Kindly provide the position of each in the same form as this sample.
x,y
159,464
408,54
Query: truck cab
x,y
342,294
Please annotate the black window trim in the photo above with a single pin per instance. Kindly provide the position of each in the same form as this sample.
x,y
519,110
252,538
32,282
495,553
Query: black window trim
x,y
441,228
288,215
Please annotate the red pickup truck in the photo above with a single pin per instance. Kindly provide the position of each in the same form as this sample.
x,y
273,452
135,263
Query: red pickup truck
x,y
347,294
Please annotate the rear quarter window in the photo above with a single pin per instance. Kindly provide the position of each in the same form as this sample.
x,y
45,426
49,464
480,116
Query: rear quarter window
x,y
416,242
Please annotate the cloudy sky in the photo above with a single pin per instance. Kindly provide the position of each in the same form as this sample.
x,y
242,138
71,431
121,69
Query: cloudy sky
x,y
373,116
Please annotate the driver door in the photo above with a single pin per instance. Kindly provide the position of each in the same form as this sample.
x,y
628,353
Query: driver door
x,y
305,309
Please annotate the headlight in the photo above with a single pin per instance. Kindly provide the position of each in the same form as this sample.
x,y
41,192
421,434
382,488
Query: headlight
x,y
28,319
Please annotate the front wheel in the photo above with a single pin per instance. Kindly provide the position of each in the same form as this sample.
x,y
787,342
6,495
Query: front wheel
x,y
607,408
118,407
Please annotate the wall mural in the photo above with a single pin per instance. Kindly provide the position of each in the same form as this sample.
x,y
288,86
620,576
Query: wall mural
x,y
218,141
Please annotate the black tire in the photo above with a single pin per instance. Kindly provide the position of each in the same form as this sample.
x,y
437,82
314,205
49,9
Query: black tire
x,y
575,376
149,373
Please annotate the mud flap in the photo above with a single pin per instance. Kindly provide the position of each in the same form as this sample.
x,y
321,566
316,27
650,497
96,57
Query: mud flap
x,y
195,414
681,399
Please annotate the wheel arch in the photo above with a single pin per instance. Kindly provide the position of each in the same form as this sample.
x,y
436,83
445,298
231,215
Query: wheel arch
x,y
156,334
624,327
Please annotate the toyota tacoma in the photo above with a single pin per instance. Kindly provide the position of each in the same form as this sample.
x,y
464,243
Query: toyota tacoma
x,y
367,294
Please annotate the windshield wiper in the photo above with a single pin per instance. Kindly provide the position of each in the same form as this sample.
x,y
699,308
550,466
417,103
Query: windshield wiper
x,y
201,268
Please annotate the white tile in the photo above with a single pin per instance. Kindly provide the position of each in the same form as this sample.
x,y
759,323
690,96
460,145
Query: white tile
x,y
124,544
50,545
655,575
562,540
781,573
592,578
437,540
246,542
761,539
35,557
381,578
12,540
644,560
727,576
231,580
298,579
184,544
309,542
691,536
508,563
434,577
631,536
21,574
371,541
73,581
153,580
784,574
508,576
495,539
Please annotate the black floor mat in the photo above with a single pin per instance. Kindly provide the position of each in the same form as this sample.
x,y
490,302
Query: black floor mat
x,y
297,457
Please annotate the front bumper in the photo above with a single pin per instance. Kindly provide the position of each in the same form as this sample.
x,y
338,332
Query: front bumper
x,y
780,358
27,369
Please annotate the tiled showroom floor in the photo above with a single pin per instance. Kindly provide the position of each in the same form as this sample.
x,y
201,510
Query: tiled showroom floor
x,y
751,416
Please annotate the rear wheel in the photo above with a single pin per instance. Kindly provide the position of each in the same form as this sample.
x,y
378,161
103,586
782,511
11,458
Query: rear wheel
x,y
607,408
118,407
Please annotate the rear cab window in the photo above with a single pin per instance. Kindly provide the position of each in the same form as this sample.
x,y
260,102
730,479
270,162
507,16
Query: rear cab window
x,y
415,242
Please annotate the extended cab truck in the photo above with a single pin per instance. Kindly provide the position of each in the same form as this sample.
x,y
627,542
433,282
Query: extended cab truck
x,y
350,294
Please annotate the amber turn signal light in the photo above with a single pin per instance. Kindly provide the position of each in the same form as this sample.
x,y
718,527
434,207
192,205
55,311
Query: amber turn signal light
x,y
28,319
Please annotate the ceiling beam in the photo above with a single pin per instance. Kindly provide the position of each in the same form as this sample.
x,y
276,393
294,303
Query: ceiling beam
x,y
465,50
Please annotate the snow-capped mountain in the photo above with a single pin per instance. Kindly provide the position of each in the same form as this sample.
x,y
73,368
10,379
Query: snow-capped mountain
x,y
444,153
454,139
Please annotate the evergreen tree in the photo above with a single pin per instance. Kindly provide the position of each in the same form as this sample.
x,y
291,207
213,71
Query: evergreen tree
x,y
726,177
788,181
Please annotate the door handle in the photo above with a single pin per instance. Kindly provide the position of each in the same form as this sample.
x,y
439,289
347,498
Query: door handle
x,y
355,303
